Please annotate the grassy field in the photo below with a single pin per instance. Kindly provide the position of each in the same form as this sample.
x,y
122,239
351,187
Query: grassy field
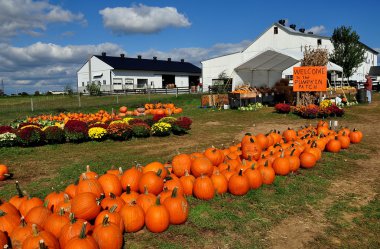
x,y
334,205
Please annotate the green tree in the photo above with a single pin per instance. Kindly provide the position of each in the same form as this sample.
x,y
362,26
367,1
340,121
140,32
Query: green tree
x,y
348,50
93,89
68,89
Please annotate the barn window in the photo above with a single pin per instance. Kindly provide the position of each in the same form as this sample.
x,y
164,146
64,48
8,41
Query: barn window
x,y
319,42
104,82
82,83
275,30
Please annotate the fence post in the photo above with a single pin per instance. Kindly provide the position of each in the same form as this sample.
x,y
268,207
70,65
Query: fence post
x,y
79,102
117,99
176,93
31,104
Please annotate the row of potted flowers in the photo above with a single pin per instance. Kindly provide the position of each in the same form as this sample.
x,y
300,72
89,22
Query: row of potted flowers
x,y
311,111
76,131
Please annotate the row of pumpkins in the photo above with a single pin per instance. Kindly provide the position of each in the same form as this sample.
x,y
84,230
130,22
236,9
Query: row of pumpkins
x,y
95,212
153,109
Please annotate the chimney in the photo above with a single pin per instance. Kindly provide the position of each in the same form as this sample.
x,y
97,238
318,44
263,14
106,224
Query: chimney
x,y
154,58
182,60
122,55
302,30
282,22
310,33
104,54
169,59
139,57
292,26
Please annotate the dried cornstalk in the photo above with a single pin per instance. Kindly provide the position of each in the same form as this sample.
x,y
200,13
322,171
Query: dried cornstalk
x,y
315,57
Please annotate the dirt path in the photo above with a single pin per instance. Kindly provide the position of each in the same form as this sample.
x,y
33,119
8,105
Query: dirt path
x,y
298,231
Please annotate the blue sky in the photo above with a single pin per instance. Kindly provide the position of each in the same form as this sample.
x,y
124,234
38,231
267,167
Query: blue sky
x,y
43,43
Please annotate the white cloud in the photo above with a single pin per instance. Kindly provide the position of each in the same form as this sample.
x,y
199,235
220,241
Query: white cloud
x,y
45,66
32,17
197,54
142,19
318,30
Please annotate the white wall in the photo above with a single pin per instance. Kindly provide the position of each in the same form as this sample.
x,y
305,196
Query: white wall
x,y
284,42
182,81
97,67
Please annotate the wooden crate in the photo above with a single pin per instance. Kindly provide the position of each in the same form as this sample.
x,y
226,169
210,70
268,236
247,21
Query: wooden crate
x,y
214,100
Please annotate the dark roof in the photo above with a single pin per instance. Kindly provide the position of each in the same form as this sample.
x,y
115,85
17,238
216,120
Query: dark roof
x,y
126,63
374,71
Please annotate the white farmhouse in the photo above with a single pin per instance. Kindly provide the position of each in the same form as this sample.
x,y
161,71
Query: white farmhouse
x,y
273,55
117,74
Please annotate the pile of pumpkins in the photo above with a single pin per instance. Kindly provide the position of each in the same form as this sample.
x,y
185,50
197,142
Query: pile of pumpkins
x,y
95,212
152,109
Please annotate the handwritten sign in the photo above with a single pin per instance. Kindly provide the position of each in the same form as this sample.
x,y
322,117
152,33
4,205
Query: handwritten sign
x,y
309,79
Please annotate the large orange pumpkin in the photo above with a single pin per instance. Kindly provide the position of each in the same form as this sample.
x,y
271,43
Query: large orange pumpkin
x,y
238,184
157,218
203,188
202,166
177,207
85,206
180,164
108,235
133,217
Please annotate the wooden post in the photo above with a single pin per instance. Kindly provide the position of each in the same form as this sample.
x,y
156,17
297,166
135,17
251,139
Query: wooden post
x,y
117,99
176,93
79,102
298,98
31,104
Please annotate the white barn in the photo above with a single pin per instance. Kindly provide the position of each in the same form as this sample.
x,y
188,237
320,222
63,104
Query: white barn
x,y
272,56
117,74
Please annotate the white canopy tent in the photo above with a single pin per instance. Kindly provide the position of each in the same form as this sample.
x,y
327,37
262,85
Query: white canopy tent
x,y
265,68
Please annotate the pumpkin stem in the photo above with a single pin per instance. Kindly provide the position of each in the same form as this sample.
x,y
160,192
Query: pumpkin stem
x,y
159,172
35,230
186,172
23,222
158,200
253,166
46,203
99,200
105,220
66,197
251,140
2,213
42,245
240,172
82,234
120,170
72,218
128,190
113,208
61,211
88,168
266,163
145,190
20,194
291,153
112,195
174,193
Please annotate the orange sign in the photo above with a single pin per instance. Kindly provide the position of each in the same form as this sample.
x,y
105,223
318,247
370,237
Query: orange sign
x,y
309,79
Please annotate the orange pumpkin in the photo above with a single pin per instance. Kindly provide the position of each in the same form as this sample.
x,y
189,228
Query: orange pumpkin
x,y
177,207
203,188
83,241
220,182
55,222
132,178
133,217
33,241
238,184
180,164
201,166
157,218
108,235
85,206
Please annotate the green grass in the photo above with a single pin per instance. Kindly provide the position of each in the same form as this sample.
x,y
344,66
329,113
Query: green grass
x,y
226,221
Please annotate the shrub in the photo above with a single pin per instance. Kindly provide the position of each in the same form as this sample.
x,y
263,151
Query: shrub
x,y
149,121
184,123
335,111
141,130
282,108
6,129
161,129
54,134
136,121
157,117
97,133
30,135
98,124
170,120
21,125
76,131
119,131
127,120
8,139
